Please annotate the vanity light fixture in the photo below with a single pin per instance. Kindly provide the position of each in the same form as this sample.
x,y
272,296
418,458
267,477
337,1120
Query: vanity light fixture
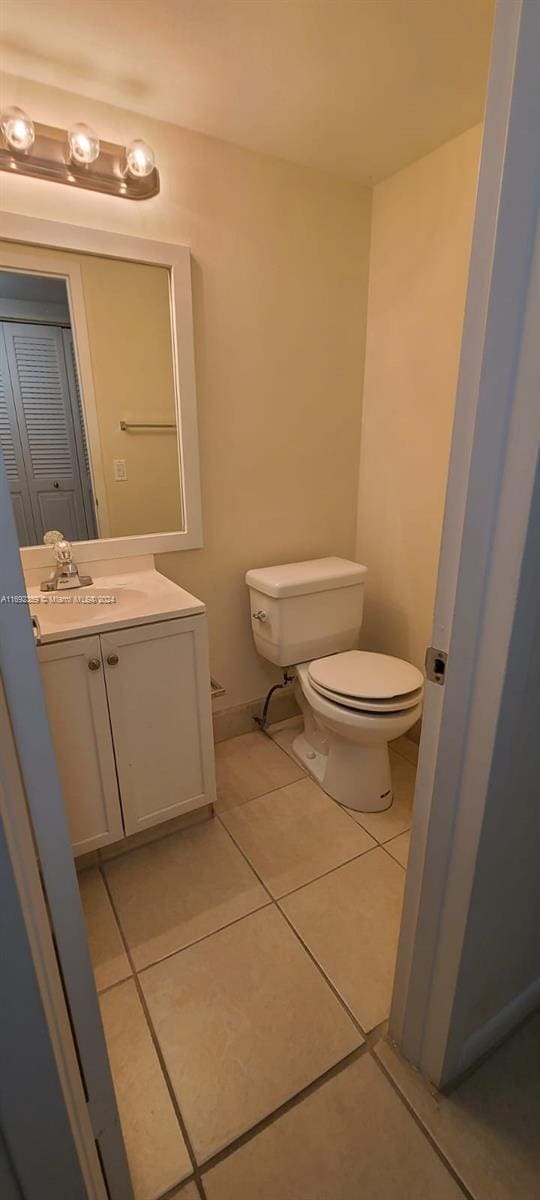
x,y
140,159
77,158
83,145
18,129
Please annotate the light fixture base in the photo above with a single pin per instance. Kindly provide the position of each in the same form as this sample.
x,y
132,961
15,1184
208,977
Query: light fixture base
x,y
48,158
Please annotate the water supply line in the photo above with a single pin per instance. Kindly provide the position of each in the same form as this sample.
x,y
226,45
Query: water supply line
x,y
262,721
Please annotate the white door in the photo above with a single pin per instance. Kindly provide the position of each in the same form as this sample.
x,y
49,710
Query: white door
x,y
489,496
73,679
158,686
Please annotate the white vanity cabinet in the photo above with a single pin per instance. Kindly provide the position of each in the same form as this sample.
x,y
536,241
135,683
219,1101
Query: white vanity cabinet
x,y
74,686
131,723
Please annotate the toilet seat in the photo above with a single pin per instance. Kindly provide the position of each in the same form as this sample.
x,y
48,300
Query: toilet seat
x,y
367,682
361,704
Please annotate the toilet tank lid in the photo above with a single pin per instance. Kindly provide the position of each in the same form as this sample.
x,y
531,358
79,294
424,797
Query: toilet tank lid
x,y
302,578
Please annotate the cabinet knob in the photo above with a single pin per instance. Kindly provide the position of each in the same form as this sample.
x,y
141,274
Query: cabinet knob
x,y
112,659
94,664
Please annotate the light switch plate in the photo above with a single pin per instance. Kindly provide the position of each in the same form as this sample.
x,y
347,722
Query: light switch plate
x,y
120,469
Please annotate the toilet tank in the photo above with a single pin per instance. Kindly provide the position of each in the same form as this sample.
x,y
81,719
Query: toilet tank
x,y
301,611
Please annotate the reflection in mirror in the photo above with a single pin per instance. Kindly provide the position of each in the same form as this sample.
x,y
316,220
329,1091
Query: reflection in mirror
x,y
93,453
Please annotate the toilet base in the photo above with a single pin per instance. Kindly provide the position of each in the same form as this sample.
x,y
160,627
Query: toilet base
x,y
312,760
356,775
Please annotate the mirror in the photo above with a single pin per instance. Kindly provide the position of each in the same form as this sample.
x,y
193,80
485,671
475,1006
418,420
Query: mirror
x,y
89,413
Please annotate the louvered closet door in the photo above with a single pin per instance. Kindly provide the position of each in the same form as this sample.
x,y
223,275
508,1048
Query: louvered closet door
x,y
39,380
11,449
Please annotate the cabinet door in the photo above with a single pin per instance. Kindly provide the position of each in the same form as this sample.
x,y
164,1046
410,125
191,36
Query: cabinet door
x,y
158,687
79,720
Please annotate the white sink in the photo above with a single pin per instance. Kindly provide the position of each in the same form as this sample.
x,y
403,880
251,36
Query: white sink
x,y
114,601
76,606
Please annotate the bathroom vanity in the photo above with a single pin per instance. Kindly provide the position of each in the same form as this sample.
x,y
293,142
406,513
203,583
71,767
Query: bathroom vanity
x,y
127,684
98,431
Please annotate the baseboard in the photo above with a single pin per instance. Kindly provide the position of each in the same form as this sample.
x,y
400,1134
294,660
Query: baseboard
x,y
497,1029
232,722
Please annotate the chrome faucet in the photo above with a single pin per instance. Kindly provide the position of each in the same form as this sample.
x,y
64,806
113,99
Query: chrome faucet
x,y
65,573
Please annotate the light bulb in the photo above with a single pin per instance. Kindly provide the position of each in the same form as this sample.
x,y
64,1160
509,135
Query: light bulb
x,y
18,129
83,145
140,160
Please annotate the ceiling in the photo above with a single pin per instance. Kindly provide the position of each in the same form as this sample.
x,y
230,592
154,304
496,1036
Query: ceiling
x,y
356,87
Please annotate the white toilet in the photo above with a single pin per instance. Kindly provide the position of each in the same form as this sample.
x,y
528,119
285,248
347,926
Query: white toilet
x,y
308,615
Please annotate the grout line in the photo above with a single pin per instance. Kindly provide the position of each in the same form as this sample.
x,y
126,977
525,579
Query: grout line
x,y
383,845
204,937
267,792
246,860
423,1128
178,1190
272,900
343,807
307,883
326,978
324,874
377,1034
369,1040
111,986
157,1048
328,981
284,1108
180,949
289,753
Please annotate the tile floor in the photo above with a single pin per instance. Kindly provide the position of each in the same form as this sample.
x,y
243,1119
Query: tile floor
x,y
245,967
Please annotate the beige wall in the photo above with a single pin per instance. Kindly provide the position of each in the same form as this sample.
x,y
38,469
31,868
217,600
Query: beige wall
x,y
420,244
279,276
127,308
129,329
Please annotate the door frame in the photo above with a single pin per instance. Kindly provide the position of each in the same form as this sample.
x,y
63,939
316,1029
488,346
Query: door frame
x,y
489,497
493,421
50,843
67,269
35,989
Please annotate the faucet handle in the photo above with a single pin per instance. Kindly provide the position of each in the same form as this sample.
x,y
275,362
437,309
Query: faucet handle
x,y
62,548
63,551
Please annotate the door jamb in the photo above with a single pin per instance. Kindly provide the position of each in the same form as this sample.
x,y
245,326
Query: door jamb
x,y
19,668
20,847
492,468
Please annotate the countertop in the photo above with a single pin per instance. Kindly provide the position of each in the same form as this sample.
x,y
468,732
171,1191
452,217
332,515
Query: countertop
x,y
114,601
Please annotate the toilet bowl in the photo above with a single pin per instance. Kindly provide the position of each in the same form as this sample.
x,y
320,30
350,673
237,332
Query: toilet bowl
x,y
344,742
308,616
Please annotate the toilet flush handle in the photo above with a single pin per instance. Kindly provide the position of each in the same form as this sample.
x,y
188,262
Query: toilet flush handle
x,y
261,615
